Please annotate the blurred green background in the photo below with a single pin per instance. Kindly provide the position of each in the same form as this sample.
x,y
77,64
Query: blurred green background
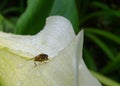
x,y
99,19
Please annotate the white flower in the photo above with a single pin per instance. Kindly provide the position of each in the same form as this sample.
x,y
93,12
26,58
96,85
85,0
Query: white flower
x,y
64,49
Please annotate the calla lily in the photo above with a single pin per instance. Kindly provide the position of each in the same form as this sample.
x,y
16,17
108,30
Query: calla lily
x,y
65,66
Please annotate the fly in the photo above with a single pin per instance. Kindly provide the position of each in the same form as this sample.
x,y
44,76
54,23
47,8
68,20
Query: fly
x,y
40,58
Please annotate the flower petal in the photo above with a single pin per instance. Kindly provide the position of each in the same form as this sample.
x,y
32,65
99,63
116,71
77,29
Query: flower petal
x,y
57,72
84,76
57,39
55,36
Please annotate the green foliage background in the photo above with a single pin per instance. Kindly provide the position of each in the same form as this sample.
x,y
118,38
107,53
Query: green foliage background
x,y
98,18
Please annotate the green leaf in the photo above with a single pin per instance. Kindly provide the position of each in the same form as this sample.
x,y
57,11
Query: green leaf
x,y
66,8
112,66
83,7
106,9
106,81
9,10
33,19
101,5
92,15
1,23
5,25
102,45
88,57
105,34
